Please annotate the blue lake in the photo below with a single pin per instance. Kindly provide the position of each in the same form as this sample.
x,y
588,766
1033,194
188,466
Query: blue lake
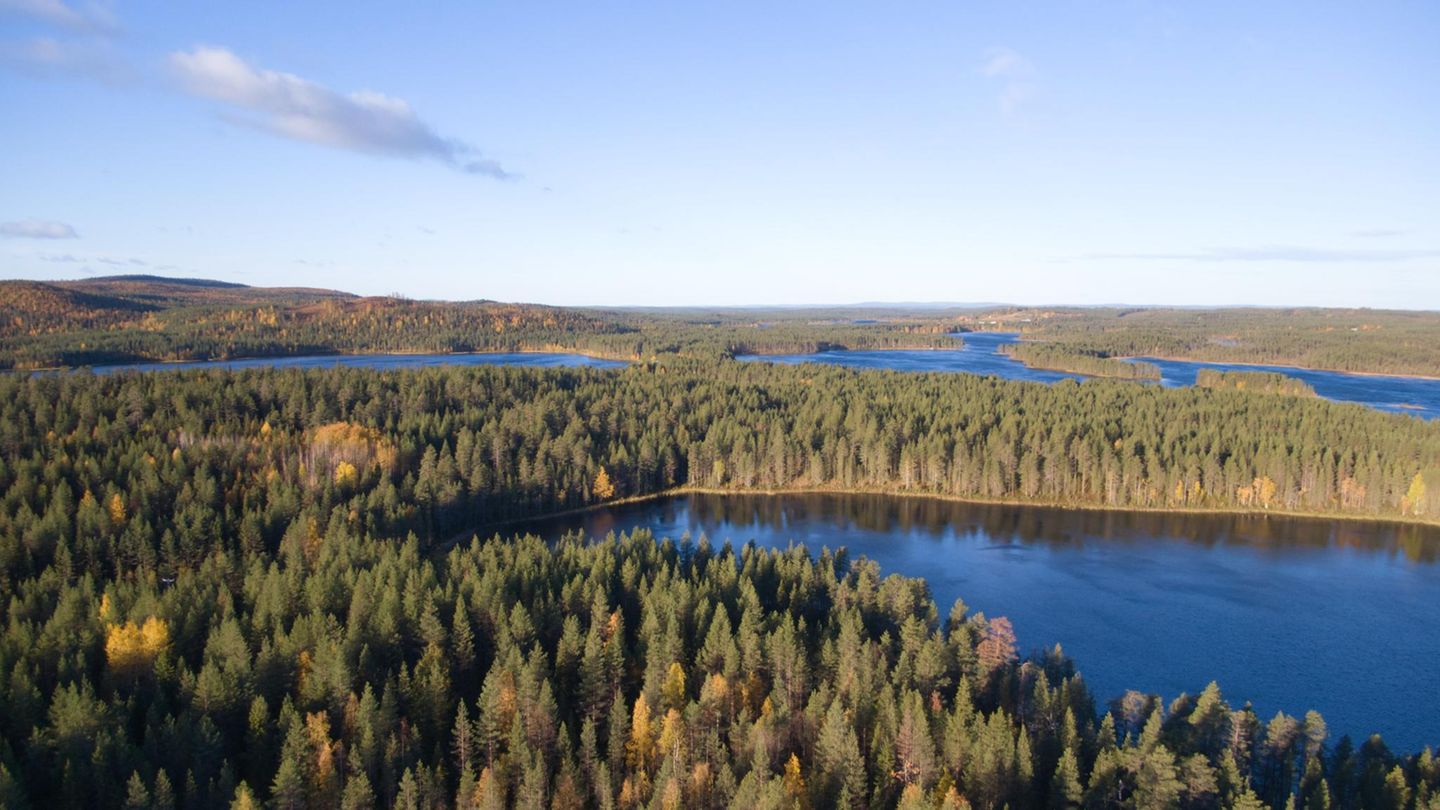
x,y
380,361
980,354
1289,613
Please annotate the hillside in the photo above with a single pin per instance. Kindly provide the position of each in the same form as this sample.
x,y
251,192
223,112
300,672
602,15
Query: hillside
x,y
120,319
137,318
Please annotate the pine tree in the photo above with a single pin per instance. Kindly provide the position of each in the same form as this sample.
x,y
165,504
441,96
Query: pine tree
x,y
1065,791
244,799
137,796
358,795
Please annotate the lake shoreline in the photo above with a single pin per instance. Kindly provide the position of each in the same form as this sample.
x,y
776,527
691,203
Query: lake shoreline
x,y
324,356
676,492
589,353
1182,600
1140,358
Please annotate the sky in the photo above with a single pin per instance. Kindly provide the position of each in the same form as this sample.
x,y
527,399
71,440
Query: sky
x,y
723,153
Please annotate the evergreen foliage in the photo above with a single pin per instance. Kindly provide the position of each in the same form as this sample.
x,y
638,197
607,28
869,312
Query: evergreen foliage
x,y
235,589
1059,358
1260,382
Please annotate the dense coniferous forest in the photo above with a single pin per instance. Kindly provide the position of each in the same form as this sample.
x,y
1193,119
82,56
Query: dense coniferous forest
x,y
1059,358
346,671
260,589
1359,340
1260,382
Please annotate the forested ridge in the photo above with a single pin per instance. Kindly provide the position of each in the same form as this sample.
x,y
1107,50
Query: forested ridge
x,y
134,319
45,326
210,598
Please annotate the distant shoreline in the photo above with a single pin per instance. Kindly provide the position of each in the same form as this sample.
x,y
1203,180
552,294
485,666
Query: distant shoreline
x,y
1272,366
261,357
963,499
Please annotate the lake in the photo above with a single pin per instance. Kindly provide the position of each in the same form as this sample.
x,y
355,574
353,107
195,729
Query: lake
x,y
1289,613
981,354
379,361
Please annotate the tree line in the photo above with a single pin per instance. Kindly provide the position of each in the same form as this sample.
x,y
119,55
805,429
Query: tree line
x,y
1060,358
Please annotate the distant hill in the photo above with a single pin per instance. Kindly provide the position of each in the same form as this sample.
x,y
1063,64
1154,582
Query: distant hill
x,y
175,291
142,317
153,279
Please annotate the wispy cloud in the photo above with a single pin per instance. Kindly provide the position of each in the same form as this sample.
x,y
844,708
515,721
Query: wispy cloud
x,y
1015,75
1276,253
99,258
1377,233
292,107
91,17
37,229
87,58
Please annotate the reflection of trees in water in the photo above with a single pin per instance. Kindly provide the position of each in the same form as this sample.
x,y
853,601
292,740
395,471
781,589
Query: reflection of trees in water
x,y
790,517
1051,526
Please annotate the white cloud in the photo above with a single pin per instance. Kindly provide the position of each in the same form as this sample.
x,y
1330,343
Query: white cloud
x,y
1015,74
91,17
291,107
37,229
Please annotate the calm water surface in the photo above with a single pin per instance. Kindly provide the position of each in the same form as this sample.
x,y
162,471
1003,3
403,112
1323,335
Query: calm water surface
x,y
981,355
380,361
1288,613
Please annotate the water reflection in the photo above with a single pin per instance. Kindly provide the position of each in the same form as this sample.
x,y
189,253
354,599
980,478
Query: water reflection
x,y
1001,524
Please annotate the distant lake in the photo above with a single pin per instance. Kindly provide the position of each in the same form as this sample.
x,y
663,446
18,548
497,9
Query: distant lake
x,y
980,354
380,361
1290,613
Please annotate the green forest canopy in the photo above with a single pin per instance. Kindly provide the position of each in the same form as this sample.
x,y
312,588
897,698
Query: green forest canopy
x,y
209,594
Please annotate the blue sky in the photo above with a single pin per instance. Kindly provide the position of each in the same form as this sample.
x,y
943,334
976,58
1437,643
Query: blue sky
x,y
732,153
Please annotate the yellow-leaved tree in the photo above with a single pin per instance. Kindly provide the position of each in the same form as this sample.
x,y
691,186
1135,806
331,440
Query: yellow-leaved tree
x,y
117,509
345,474
131,649
1415,497
604,489
641,747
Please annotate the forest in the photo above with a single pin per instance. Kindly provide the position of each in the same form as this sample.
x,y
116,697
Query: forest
x,y
1259,382
1357,340
1059,358
261,588
126,319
